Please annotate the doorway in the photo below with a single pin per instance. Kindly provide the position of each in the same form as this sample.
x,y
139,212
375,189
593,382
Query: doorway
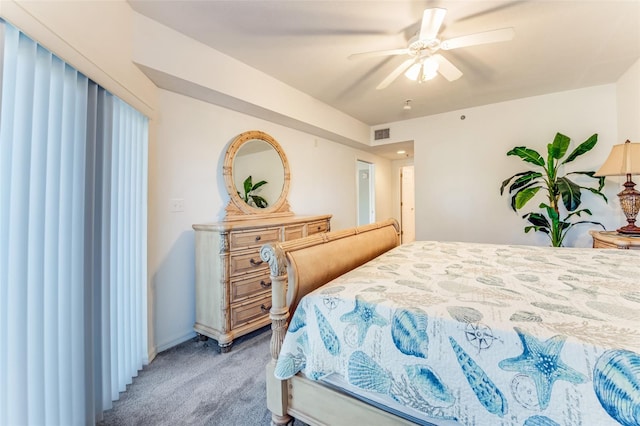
x,y
407,204
365,187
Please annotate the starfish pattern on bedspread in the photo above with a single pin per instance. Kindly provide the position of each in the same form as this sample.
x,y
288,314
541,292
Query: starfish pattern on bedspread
x,y
541,361
363,316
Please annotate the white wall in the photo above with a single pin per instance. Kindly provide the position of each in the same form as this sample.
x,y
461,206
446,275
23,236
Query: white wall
x,y
460,164
191,143
628,92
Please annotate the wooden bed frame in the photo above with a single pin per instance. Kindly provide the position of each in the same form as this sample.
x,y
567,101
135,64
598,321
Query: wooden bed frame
x,y
297,268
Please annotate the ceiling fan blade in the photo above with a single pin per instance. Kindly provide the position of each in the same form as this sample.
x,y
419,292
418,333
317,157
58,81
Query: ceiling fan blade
x,y
493,36
431,23
375,53
446,68
395,73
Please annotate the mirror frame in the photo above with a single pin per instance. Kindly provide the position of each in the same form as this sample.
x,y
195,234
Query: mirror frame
x,y
237,208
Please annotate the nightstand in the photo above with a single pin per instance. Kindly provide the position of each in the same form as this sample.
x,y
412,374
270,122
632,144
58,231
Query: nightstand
x,y
614,240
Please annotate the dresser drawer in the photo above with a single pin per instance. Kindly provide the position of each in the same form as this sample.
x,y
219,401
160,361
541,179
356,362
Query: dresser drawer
x,y
614,240
243,262
604,244
244,239
316,227
249,286
250,311
293,232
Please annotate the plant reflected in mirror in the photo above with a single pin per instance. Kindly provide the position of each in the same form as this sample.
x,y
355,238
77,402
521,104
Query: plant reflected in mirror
x,y
250,197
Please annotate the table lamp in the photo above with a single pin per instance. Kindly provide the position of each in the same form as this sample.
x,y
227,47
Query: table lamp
x,y
624,160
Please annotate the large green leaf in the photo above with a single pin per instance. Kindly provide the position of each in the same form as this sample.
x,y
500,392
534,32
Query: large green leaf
x,y
523,196
565,225
258,185
559,146
591,175
578,213
535,228
595,191
506,181
516,197
525,180
570,193
585,146
540,223
247,185
528,155
537,219
259,201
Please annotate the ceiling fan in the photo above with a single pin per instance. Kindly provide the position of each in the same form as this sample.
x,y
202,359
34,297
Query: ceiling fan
x,y
424,62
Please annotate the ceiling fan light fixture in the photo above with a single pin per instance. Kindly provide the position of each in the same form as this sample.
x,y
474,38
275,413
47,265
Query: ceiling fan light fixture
x,y
413,71
423,70
429,69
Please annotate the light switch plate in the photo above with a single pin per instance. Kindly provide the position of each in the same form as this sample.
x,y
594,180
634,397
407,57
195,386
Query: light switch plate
x,y
177,204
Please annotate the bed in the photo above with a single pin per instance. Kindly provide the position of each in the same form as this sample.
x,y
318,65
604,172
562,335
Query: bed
x,y
367,331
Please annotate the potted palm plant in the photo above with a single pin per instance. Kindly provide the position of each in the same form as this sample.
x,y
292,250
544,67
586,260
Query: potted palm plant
x,y
546,178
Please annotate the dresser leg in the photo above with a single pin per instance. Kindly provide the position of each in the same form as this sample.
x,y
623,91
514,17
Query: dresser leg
x,y
225,347
281,420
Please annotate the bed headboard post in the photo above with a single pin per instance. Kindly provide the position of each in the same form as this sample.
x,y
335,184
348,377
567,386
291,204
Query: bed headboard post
x,y
279,313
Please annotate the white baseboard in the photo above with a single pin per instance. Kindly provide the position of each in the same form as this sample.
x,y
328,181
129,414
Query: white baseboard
x,y
163,347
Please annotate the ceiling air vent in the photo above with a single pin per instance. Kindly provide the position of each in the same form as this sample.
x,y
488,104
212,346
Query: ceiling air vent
x,y
381,134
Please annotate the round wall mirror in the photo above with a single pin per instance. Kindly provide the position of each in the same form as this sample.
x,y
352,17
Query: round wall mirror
x,y
256,174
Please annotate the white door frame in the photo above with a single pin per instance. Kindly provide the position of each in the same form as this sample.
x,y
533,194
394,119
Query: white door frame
x,y
407,204
365,196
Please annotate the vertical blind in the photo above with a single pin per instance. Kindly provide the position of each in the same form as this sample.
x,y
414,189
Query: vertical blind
x,y
73,179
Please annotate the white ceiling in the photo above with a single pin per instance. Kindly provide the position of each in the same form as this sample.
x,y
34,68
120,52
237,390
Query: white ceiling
x,y
559,45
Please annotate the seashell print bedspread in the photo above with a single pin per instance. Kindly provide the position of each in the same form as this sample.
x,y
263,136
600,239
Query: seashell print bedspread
x,y
483,334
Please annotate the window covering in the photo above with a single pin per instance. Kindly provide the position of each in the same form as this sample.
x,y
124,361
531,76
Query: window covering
x,y
73,197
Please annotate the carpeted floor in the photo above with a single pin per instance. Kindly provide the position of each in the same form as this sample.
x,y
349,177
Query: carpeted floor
x,y
194,384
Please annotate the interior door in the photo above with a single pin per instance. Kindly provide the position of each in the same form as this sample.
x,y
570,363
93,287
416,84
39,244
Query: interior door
x,y
407,204
365,183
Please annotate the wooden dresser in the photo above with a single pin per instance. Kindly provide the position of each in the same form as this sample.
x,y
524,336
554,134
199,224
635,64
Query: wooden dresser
x,y
614,240
233,289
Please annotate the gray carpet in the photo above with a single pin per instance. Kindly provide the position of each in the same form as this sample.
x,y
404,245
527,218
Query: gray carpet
x,y
194,384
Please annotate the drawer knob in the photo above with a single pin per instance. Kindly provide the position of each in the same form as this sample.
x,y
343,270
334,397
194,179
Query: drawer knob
x,y
258,238
265,284
265,309
254,263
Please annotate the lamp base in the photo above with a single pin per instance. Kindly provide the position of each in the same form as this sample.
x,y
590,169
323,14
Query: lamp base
x,y
629,229
630,203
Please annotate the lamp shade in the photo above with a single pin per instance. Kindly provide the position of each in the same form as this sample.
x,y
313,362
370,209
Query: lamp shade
x,y
623,159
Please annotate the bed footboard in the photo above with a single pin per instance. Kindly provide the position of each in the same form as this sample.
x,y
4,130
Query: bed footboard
x,y
299,267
